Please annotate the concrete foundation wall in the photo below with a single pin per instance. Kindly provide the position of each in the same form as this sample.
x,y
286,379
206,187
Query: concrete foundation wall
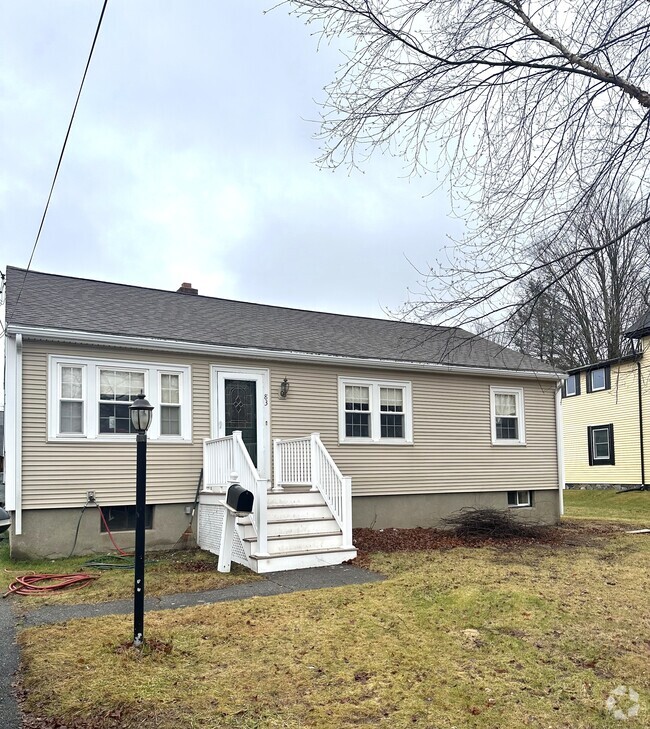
x,y
601,486
49,533
426,510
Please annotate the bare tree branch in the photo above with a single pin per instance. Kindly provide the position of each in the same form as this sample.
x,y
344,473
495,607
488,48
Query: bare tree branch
x,y
532,110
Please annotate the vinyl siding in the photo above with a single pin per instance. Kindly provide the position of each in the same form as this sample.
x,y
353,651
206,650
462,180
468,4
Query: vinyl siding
x,y
452,447
619,406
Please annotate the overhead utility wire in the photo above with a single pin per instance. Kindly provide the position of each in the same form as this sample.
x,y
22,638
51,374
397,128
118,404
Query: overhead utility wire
x,y
63,148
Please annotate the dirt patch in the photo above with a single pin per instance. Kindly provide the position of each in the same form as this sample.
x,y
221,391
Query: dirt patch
x,y
197,566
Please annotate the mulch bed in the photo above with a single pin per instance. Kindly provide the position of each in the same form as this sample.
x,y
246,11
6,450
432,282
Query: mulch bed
x,y
568,534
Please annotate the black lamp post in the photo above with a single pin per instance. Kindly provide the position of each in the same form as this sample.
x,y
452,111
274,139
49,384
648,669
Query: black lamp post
x,y
141,420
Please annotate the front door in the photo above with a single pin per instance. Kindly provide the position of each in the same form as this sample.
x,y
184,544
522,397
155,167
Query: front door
x,y
243,404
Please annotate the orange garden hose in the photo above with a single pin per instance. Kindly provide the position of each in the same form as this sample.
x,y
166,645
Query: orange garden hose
x,y
42,584
110,534
29,584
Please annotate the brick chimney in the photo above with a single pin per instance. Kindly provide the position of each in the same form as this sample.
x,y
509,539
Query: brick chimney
x,y
186,288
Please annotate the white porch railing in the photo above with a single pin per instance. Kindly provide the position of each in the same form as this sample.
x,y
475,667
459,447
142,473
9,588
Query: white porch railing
x,y
226,460
292,462
306,461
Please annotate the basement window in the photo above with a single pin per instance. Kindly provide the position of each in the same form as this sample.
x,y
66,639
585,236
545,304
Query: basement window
x,y
122,518
520,498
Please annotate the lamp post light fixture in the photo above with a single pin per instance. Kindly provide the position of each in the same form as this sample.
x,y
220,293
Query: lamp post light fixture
x,y
140,412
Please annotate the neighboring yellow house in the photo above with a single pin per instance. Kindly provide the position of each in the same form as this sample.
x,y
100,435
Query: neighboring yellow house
x,y
605,406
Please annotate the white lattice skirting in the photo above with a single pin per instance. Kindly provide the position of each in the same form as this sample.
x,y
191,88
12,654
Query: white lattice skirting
x,y
211,520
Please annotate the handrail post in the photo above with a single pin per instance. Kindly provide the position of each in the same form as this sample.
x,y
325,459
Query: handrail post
x,y
346,509
277,465
238,444
261,515
315,461
207,468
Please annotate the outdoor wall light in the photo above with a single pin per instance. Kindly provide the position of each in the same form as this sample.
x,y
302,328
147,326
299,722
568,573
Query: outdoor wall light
x,y
284,388
140,412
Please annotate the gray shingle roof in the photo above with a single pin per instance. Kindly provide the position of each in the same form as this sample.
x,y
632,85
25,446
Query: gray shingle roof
x,y
63,302
641,327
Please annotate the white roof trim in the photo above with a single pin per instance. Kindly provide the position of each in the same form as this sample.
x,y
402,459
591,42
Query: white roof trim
x,y
170,345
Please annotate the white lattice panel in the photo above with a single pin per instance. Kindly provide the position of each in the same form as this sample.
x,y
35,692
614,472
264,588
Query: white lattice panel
x,y
210,527
211,518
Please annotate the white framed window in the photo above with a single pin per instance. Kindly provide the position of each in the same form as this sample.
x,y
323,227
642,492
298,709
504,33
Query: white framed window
x,y
170,403
507,416
572,385
71,399
374,411
90,398
598,379
520,498
118,388
601,445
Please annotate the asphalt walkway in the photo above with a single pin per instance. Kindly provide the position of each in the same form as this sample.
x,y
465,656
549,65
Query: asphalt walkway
x,y
276,583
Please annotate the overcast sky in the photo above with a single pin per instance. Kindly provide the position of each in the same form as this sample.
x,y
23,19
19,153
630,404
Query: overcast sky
x,y
192,158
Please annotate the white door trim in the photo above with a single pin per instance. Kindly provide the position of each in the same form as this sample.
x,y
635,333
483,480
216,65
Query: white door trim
x,y
218,375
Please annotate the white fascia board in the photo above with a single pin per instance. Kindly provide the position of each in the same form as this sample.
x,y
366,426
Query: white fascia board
x,y
170,345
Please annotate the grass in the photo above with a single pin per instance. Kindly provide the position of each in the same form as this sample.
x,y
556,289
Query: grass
x,y
633,507
532,636
166,573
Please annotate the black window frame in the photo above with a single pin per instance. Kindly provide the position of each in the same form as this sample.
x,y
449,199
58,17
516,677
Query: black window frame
x,y
125,512
577,377
593,461
608,382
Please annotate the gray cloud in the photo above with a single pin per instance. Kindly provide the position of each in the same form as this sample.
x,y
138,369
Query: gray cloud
x,y
191,159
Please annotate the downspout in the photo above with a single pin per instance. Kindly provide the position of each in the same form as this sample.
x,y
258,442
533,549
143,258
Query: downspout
x,y
13,427
559,445
640,388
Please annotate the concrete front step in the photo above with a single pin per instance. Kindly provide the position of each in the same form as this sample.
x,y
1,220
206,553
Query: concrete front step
x,y
301,559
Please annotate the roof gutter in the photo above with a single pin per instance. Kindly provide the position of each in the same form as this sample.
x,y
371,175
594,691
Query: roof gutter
x,y
170,345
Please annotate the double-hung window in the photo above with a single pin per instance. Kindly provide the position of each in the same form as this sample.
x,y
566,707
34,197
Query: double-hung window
x,y
507,415
117,390
170,403
601,445
91,398
374,411
71,400
357,411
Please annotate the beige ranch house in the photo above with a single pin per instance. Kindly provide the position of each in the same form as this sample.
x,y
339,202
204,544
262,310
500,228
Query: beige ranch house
x,y
333,422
